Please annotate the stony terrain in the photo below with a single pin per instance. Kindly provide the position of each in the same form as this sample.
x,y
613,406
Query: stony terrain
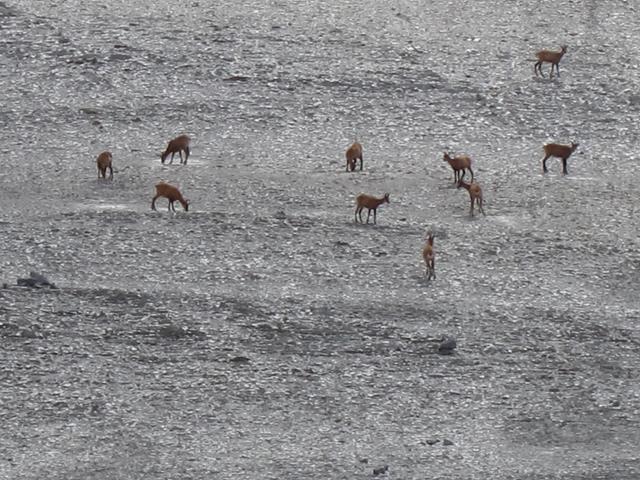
x,y
264,334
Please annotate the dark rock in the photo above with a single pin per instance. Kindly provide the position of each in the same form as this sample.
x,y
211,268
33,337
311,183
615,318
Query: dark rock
x,y
89,58
381,470
240,359
446,442
432,441
447,345
172,331
35,280
236,78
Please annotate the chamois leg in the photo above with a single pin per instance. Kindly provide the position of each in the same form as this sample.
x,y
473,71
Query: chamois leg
x,y
361,163
538,67
375,214
187,152
153,202
433,268
358,210
480,207
544,164
464,171
471,174
110,172
564,166
368,214
471,209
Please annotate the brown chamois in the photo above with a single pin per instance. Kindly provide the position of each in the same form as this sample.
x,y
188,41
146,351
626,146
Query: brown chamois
x,y
371,203
550,57
177,145
429,255
354,153
461,163
557,150
475,194
104,161
172,194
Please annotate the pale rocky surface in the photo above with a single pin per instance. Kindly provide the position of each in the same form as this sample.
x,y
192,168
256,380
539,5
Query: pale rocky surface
x,y
264,334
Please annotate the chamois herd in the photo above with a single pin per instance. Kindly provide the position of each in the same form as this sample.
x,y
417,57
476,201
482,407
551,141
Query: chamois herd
x,y
460,164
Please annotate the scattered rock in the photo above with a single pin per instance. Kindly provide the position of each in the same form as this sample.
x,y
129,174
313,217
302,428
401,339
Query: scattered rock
x,y
240,359
89,111
447,345
432,441
7,11
172,331
381,470
236,78
176,332
87,58
446,442
280,215
35,280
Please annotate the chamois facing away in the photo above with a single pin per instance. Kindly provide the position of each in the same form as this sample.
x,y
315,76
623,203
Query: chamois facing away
x,y
353,154
172,194
177,145
428,254
551,57
557,150
475,195
104,162
371,203
459,164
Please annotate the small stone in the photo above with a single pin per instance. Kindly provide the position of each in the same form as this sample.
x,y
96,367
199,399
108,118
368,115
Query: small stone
x,y
240,359
446,442
381,470
447,345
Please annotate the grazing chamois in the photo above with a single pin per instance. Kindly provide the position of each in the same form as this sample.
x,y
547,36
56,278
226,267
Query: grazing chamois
x,y
557,150
550,57
172,194
461,163
371,203
475,194
177,145
104,161
429,256
353,154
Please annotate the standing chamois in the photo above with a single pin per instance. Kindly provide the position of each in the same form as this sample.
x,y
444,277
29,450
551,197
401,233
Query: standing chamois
x,y
104,162
177,145
557,150
551,57
475,194
172,194
459,164
429,256
353,154
371,203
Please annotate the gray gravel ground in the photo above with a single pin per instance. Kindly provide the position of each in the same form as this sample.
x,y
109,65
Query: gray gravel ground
x,y
264,334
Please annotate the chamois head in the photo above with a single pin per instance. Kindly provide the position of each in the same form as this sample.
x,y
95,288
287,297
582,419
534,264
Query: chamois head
x,y
563,49
574,146
386,197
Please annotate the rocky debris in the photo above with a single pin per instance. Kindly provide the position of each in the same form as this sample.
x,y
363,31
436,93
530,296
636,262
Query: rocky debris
x,y
447,345
35,280
240,359
176,332
446,442
6,11
381,470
